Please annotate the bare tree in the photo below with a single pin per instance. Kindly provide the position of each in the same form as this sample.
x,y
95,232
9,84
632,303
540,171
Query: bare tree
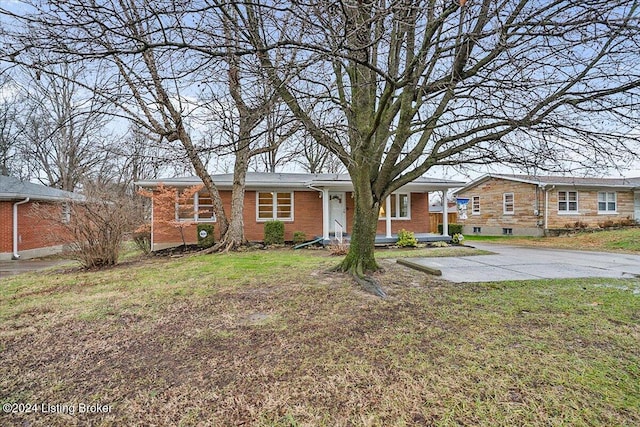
x,y
11,107
148,84
416,84
64,134
156,64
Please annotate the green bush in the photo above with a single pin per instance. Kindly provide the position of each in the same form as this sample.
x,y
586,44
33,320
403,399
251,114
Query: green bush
x,y
208,240
406,239
274,233
453,229
299,237
457,239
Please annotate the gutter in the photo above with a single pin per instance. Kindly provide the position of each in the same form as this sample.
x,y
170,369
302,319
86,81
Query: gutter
x,y
15,227
320,190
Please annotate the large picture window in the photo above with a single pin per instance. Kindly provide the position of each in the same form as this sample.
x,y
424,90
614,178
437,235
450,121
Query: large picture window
x,y
567,201
196,208
275,205
400,207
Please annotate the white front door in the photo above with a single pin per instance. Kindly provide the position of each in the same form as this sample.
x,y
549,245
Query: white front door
x,y
636,206
337,210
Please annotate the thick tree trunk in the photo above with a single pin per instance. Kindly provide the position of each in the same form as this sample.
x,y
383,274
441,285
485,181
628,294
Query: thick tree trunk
x,y
203,174
234,237
360,259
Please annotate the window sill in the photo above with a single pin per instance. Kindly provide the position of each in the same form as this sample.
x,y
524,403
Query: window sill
x,y
569,213
395,219
274,219
607,212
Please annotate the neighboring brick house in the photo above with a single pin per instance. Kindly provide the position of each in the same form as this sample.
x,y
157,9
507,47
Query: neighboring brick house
x,y
22,235
310,203
529,205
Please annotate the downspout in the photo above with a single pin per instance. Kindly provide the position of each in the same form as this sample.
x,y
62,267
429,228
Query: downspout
x,y
546,207
15,227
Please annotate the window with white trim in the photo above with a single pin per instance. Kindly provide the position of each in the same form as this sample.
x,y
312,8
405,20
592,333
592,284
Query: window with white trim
x,y
400,207
66,212
607,202
567,201
508,205
274,206
475,205
197,208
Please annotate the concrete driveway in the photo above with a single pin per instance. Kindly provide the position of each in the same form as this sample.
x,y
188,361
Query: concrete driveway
x,y
525,263
10,268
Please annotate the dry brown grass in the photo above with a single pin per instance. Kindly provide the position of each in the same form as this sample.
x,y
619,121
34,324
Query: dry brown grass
x,y
271,339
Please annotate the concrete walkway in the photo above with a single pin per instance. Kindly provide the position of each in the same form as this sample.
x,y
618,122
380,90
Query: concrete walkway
x,y
526,263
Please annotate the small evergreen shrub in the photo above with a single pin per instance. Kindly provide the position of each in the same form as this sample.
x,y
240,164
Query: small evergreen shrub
x,y
205,240
457,239
406,239
299,237
274,233
453,229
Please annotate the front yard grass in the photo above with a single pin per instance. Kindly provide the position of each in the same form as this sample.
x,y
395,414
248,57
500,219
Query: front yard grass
x,y
269,338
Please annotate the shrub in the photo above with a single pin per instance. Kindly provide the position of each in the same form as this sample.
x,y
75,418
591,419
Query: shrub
x,y
453,229
205,235
457,238
606,224
580,225
274,233
142,238
627,222
96,227
406,239
338,248
299,237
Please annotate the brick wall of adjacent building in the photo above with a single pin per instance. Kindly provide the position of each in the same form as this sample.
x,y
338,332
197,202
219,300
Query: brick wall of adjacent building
x,y
33,232
529,208
6,224
307,218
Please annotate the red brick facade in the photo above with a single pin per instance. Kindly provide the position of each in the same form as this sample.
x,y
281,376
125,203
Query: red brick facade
x,y
307,218
33,233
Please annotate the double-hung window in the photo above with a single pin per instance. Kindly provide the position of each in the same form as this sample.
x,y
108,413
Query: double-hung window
x,y
400,207
275,206
196,208
508,204
567,201
607,202
475,205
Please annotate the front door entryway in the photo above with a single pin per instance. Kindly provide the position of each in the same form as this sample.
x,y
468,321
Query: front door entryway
x,y
337,210
636,206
